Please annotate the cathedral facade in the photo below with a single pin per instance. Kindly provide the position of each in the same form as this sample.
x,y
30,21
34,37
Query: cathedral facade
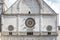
x,y
28,20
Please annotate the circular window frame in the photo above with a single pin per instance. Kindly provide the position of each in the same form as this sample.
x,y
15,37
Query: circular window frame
x,y
49,28
10,27
32,24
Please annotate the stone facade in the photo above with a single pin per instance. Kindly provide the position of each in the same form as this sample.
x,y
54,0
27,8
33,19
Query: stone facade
x,y
29,20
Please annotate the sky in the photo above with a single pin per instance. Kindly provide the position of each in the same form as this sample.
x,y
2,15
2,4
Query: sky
x,y
54,4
